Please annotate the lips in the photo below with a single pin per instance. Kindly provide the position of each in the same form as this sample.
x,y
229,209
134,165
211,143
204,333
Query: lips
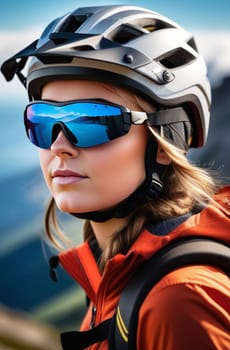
x,y
65,173
65,176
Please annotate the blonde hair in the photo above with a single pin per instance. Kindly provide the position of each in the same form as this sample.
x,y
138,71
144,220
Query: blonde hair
x,y
184,186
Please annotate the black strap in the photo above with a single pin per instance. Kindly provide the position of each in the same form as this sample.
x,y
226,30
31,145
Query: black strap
x,y
81,340
190,251
168,116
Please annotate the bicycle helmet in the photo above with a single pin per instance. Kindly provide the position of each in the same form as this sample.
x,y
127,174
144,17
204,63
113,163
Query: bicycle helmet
x,y
125,45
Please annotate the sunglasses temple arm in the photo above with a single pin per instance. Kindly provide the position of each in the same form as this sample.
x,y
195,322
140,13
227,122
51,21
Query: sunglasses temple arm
x,y
138,117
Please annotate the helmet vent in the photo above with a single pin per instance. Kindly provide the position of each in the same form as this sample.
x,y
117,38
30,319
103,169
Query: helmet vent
x,y
72,23
52,59
193,45
125,33
152,26
83,48
176,58
130,31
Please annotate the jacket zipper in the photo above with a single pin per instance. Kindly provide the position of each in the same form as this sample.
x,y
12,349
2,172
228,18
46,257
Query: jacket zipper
x,y
93,317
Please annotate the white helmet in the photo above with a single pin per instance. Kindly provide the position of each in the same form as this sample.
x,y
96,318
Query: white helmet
x,y
128,46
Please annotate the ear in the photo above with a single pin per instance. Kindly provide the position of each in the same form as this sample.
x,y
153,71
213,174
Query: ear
x,y
162,157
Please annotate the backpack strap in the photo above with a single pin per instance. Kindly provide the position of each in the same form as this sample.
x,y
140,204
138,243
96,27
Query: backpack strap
x,y
81,340
183,252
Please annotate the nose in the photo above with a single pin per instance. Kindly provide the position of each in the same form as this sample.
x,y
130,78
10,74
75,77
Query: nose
x,y
62,147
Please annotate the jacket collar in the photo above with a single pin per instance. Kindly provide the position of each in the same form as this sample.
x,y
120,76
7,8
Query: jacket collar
x,y
81,264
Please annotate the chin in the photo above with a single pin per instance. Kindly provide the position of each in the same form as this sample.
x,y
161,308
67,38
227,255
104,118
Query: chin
x,y
72,207
82,204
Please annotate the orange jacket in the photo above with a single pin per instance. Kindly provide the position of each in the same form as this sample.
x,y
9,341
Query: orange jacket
x,y
188,309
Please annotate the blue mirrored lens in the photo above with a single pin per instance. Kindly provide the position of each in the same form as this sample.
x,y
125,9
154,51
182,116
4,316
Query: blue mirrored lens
x,y
85,124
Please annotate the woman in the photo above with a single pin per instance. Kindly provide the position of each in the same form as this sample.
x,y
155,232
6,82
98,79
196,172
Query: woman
x,y
118,96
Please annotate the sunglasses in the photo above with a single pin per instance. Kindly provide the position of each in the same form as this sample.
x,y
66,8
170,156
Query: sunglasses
x,y
85,123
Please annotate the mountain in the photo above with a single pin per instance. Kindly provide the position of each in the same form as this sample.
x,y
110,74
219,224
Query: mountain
x,y
25,283
24,199
215,153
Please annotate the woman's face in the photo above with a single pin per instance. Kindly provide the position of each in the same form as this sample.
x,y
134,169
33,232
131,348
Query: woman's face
x,y
95,178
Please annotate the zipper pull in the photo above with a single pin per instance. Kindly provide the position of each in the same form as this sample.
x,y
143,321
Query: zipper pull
x,y
93,318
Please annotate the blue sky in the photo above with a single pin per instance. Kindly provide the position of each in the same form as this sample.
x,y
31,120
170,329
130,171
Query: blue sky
x,y
23,21
194,14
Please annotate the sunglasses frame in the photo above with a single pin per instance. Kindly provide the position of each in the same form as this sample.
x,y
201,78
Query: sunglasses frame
x,y
129,117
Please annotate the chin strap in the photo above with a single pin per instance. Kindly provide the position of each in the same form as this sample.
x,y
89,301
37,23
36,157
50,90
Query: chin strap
x,y
148,190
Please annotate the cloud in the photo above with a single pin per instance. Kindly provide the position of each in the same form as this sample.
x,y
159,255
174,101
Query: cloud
x,y
214,45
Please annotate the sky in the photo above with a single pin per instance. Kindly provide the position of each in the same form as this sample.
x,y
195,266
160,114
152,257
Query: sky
x,y
196,13
23,21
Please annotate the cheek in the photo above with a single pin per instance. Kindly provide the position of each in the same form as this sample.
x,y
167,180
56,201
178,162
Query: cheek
x,y
120,167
